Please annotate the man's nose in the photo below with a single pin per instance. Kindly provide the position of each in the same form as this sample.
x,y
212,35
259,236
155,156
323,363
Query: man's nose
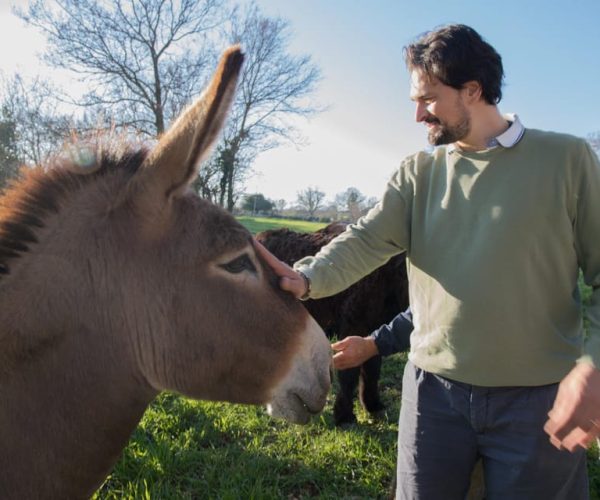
x,y
421,112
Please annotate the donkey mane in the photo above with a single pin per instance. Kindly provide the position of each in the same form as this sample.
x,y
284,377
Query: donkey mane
x,y
39,192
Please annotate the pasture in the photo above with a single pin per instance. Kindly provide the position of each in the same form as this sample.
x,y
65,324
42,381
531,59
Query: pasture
x,y
258,224
188,449
185,449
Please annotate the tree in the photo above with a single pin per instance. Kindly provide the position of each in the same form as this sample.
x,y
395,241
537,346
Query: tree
x,y
352,201
32,108
257,203
274,87
9,159
280,205
138,56
137,53
207,182
594,140
310,199
371,202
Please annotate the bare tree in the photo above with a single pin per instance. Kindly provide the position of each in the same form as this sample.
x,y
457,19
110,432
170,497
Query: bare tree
x,y
311,199
207,184
32,108
594,140
280,205
274,87
137,56
136,53
9,159
371,202
352,201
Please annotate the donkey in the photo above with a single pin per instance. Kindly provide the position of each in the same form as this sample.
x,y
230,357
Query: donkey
x,y
118,282
358,310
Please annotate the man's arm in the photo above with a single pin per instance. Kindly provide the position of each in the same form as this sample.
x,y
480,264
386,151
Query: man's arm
x,y
575,418
395,336
387,339
366,245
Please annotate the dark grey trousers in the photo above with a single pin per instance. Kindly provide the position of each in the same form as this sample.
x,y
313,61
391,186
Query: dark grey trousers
x,y
446,426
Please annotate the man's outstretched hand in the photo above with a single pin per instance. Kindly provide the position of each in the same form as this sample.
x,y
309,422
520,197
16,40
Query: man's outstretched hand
x,y
574,420
353,351
289,280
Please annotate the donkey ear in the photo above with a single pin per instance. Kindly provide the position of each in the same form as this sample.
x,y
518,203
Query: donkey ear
x,y
173,163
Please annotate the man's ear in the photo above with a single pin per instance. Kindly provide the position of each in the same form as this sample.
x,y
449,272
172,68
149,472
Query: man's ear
x,y
472,91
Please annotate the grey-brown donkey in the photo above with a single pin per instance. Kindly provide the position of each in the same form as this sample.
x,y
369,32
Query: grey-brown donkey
x,y
117,282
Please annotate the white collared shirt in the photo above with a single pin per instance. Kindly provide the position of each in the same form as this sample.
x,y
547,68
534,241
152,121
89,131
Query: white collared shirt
x,y
507,139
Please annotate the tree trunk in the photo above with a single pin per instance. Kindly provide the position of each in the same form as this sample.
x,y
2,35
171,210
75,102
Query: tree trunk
x,y
159,115
227,161
230,200
223,183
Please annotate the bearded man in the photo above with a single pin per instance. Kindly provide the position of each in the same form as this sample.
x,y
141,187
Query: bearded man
x,y
497,222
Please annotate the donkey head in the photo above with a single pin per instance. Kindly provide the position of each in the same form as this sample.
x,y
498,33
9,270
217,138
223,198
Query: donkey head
x,y
216,324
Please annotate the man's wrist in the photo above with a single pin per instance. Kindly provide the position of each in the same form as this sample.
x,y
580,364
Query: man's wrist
x,y
381,347
306,294
373,348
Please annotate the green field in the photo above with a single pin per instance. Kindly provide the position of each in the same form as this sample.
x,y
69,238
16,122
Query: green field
x,y
186,449
257,224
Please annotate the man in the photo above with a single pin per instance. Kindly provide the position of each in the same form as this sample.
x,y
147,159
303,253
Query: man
x,y
496,223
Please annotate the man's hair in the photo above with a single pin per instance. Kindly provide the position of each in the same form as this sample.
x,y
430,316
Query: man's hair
x,y
456,54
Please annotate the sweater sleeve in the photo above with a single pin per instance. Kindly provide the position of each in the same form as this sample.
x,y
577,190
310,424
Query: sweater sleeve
x,y
364,246
587,244
395,336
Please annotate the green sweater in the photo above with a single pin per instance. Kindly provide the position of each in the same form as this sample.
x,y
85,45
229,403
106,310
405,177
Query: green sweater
x,y
495,240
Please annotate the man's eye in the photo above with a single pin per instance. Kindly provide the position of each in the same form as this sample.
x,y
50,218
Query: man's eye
x,y
239,265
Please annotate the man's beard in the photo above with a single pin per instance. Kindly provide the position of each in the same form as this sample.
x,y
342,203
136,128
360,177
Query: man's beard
x,y
447,134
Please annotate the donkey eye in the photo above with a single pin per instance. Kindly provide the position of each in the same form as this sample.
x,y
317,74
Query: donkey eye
x,y
239,265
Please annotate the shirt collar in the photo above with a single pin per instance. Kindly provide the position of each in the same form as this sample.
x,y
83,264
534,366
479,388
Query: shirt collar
x,y
512,134
507,139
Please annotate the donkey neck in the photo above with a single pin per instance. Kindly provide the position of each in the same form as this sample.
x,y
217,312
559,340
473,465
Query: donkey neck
x,y
77,407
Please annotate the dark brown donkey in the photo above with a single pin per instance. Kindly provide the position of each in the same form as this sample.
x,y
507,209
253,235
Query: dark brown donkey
x,y
118,282
358,310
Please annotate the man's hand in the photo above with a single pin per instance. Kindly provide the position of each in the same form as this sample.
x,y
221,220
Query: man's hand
x,y
289,280
575,418
353,351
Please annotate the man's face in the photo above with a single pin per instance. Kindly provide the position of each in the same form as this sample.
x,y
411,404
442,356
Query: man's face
x,y
441,108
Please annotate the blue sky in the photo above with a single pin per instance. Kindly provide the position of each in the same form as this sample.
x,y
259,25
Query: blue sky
x,y
551,55
550,49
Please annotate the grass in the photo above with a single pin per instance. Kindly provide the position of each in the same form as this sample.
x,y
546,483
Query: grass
x,y
257,224
185,449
